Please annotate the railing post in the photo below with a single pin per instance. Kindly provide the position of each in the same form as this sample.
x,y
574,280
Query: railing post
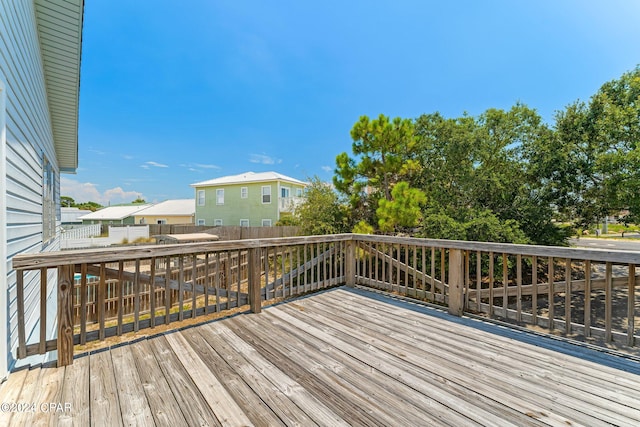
x,y
350,261
255,265
65,319
456,282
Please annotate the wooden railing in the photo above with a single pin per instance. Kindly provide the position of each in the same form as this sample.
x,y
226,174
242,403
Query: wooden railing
x,y
107,292
581,293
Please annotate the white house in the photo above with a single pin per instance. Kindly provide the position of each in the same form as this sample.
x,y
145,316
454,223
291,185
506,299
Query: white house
x,y
40,45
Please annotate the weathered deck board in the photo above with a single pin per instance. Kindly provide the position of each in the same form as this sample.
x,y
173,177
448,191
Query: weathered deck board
x,y
340,357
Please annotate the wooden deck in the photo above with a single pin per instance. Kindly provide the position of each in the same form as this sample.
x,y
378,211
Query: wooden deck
x,y
340,357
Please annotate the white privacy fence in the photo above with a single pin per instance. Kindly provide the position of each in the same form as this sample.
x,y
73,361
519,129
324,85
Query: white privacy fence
x,y
84,232
117,235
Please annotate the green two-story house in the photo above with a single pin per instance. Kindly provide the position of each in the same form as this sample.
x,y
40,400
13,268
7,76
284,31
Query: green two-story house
x,y
249,199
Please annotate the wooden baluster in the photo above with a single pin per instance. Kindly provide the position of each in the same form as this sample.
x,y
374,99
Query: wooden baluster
x,y
478,279
254,285
83,304
22,339
491,262
217,282
587,298
207,283
534,289
194,276
519,285
136,298
505,285
631,287
120,297
152,292
456,282
432,293
167,291
608,302
181,288
42,345
101,301
551,304
567,297
65,320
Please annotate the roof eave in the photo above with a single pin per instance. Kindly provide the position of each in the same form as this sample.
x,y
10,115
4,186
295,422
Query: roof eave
x,y
60,34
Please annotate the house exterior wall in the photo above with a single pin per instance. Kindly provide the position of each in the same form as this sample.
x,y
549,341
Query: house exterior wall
x,y
153,219
236,208
27,147
130,220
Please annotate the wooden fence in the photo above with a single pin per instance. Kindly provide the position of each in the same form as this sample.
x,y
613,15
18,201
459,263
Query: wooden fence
x,y
226,232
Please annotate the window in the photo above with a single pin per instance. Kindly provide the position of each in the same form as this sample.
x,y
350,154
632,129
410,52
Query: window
x,y
266,223
48,201
244,192
284,192
161,221
266,194
220,196
244,223
200,222
298,192
217,222
200,197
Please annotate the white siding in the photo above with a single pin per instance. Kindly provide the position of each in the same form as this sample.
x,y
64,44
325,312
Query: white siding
x,y
28,138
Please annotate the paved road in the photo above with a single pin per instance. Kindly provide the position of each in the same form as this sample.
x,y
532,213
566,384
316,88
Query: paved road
x,y
618,245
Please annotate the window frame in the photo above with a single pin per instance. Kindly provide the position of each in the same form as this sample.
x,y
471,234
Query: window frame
x,y
244,192
267,222
219,200
201,197
263,194
244,220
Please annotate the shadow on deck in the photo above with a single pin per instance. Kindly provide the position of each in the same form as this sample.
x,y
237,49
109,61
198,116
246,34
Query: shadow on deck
x,y
344,356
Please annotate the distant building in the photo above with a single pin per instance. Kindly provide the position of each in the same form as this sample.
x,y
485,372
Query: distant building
x,y
71,216
114,215
179,211
249,199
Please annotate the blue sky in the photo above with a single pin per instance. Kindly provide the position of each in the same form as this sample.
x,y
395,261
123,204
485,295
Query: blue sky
x,y
176,92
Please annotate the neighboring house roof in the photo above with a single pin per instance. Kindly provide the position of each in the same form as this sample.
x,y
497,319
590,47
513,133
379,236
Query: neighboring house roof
x,y
114,213
178,207
60,33
248,177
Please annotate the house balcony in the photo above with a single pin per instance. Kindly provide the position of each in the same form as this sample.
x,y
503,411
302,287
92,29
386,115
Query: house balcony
x,y
333,330
289,204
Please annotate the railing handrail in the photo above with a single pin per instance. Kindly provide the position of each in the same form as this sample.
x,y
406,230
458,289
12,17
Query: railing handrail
x,y
105,255
615,256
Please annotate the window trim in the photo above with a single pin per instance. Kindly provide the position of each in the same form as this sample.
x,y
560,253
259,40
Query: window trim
x,y
262,192
217,223
201,197
268,220
244,220
200,221
244,192
218,192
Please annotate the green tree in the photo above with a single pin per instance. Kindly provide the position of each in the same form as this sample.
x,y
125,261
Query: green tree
x,y
321,212
384,154
67,202
403,210
592,163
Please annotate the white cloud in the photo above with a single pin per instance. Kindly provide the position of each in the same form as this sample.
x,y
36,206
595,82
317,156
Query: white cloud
x,y
200,165
88,192
154,164
263,159
327,168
